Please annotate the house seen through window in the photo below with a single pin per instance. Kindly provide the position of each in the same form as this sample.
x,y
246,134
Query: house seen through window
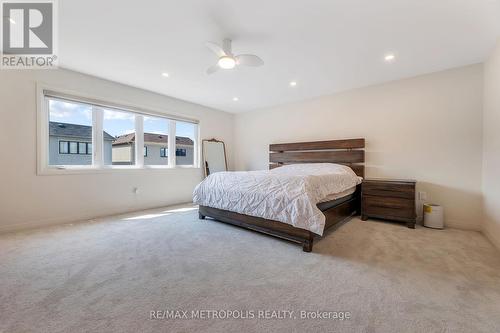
x,y
155,139
184,140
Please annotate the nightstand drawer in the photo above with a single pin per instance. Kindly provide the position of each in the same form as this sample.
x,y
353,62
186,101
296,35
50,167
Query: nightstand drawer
x,y
388,213
389,199
388,206
398,190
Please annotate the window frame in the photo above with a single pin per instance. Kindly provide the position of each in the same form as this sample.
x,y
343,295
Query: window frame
x,y
46,92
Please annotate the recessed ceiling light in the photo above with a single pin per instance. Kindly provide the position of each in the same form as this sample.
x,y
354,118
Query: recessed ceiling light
x,y
390,57
165,74
293,84
236,99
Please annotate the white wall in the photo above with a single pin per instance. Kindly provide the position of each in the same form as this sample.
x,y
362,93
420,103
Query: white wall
x,y
491,152
28,200
427,128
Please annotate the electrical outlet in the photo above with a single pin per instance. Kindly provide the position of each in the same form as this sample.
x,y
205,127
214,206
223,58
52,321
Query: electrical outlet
x,y
422,196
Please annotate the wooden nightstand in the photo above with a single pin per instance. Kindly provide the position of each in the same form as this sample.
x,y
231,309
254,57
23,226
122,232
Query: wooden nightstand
x,y
389,199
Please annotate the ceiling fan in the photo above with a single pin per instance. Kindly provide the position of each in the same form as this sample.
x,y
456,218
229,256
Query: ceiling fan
x,y
227,60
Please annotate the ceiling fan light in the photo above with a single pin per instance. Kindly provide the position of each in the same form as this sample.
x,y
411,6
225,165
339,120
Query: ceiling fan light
x,y
390,57
226,62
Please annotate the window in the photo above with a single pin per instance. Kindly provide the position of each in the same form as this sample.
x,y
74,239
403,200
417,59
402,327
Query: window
x,y
156,138
92,134
185,142
71,147
163,152
118,137
69,124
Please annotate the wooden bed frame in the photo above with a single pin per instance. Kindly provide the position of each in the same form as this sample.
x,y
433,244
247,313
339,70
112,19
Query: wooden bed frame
x,y
348,152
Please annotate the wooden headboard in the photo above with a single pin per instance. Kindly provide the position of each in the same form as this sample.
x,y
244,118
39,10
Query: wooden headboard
x,y
349,152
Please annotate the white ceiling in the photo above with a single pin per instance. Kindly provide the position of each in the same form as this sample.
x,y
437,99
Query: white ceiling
x,y
324,45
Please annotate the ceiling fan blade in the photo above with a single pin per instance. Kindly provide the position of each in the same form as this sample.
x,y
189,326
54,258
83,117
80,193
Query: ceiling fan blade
x,y
216,49
212,69
226,46
249,60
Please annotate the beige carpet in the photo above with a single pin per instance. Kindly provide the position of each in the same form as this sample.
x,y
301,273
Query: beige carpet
x,y
108,275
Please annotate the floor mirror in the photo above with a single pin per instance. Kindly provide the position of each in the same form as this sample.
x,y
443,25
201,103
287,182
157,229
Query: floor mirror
x,y
214,156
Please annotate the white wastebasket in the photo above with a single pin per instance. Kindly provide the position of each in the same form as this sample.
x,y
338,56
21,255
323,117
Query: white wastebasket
x,y
433,216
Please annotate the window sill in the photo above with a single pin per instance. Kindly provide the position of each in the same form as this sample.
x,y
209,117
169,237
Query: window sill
x,y
76,170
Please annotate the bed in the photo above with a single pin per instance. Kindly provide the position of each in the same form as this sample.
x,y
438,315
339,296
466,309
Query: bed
x,y
340,156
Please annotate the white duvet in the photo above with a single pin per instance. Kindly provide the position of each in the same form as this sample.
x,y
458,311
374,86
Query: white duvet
x,y
288,194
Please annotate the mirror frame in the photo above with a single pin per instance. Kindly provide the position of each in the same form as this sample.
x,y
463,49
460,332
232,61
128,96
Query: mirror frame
x,y
203,153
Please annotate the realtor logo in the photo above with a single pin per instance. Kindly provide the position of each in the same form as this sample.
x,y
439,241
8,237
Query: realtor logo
x,y
28,34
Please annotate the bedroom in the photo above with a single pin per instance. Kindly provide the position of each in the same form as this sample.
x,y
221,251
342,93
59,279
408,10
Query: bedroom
x,y
94,237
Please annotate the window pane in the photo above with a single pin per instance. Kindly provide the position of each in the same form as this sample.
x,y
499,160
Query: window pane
x,y
184,142
73,147
155,139
82,148
89,148
118,137
145,151
68,121
63,147
164,152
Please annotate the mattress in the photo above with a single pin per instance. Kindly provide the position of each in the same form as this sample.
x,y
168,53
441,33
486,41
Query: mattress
x,y
336,196
325,205
288,194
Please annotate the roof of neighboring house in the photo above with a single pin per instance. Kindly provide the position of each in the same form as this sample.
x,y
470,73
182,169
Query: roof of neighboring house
x,y
152,138
72,130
